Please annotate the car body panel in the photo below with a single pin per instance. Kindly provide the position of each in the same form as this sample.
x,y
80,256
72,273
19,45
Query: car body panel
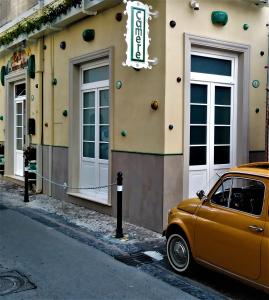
x,y
186,222
264,279
189,205
220,237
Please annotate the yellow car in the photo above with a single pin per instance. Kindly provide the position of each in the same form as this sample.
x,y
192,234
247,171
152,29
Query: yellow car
x,y
227,230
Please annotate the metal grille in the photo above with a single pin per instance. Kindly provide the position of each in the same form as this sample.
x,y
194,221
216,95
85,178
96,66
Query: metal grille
x,y
135,259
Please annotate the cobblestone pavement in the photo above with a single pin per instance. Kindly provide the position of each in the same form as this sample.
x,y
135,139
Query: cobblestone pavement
x,y
98,230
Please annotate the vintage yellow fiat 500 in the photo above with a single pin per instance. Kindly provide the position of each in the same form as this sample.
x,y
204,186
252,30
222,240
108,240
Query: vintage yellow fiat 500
x,y
228,229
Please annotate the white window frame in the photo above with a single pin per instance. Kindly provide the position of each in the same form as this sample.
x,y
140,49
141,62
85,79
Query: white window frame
x,y
214,77
93,87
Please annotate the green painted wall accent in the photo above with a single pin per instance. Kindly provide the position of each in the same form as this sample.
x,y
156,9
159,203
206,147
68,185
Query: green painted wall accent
x,y
88,35
3,74
245,26
219,17
31,66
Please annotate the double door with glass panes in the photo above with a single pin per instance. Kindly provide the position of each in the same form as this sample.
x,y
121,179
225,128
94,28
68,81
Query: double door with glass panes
x,y
211,149
95,133
19,127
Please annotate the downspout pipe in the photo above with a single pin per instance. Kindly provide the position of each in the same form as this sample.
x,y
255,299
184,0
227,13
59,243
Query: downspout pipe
x,y
267,103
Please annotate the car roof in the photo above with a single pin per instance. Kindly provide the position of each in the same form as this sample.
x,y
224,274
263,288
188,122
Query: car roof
x,y
257,168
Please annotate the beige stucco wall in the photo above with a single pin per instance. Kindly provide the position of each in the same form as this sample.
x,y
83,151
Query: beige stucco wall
x,y
199,23
147,130
130,104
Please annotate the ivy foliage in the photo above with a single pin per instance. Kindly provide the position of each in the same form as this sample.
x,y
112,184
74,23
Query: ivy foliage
x,y
47,16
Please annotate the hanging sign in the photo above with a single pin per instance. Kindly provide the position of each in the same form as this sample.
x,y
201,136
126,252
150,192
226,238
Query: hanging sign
x,y
18,60
137,35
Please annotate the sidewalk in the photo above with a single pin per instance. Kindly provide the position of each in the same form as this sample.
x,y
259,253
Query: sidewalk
x,y
99,225
140,247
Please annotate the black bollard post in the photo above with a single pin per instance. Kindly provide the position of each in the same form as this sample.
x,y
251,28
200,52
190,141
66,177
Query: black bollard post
x,y
26,177
119,231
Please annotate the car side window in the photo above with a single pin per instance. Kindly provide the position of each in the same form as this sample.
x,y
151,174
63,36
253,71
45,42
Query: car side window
x,y
221,196
246,195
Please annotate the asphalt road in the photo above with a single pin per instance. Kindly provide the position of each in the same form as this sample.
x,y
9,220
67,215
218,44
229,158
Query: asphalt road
x,y
64,268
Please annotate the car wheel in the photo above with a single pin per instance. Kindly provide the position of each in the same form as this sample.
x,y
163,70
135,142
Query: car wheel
x,y
179,253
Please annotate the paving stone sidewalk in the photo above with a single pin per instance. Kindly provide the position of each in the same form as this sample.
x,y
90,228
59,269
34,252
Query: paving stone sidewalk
x,y
99,225
98,230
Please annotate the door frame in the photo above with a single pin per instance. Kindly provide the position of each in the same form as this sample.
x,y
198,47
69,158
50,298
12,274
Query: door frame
x,y
208,45
74,111
99,195
19,76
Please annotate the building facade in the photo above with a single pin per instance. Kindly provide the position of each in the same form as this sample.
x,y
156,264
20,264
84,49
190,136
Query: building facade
x,y
91,117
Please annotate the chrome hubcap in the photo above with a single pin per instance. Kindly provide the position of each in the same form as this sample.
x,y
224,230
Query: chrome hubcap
x,y
179,253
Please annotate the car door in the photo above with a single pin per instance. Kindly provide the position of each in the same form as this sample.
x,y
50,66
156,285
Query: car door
x,y
230,225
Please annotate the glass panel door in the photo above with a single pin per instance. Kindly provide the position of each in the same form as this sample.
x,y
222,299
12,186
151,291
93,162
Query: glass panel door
x,y
88,121
198,124
223,140
222,126
211,150
19,126
212,125
104,124
199,136
95,125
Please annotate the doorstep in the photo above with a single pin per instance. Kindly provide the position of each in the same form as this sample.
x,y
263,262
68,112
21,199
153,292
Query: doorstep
x,y
19,180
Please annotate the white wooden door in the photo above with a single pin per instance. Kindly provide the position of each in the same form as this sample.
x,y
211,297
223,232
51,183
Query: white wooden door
x,y
19,115
212,128
212,133
94,162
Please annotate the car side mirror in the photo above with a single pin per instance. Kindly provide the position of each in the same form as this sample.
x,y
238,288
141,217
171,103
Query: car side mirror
x,y
202,196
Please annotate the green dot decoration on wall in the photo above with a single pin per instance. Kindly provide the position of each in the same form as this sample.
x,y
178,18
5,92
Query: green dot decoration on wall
x,y
3,74
219,17
88,35
1,118
245,26
255,83
123,133
31,66
54,81
118,84
65,113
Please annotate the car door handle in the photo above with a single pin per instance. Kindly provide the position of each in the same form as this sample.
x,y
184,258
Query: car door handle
x,y
255,228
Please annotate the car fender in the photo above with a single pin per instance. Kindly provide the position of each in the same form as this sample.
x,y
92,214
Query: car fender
x,y
187,229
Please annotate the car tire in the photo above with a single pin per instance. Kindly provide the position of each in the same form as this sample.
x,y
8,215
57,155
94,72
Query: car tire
x,y
179,253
